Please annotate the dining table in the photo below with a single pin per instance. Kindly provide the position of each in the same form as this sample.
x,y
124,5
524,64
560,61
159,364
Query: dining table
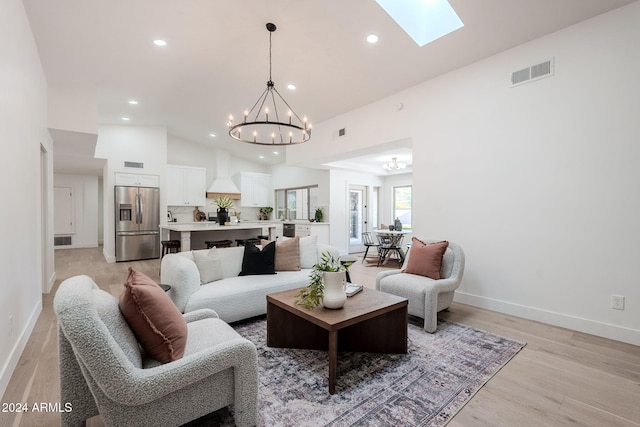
x,y
390,243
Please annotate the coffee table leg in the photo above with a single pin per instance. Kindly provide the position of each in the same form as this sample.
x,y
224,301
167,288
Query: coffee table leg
x,y
333,360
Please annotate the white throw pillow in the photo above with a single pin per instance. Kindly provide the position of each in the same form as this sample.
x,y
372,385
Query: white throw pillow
x,y
308,251
209,265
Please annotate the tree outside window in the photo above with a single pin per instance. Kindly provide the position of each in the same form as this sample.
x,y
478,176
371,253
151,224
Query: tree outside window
x,y
402,205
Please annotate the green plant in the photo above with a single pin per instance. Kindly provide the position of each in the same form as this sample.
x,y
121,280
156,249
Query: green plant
x,y
311,295
266,210
319,215
223,202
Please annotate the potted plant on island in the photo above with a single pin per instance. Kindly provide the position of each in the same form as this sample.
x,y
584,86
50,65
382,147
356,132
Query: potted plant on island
x,y
326,286
224,204
265,212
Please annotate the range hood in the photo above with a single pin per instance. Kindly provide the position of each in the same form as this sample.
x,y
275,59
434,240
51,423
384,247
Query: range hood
x,y
223,185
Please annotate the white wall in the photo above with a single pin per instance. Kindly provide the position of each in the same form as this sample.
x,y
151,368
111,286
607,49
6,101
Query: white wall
x,y
117,144
85,191
538,182
26,261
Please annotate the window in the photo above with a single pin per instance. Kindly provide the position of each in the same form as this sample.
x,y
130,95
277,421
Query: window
x,y
402,205
296,203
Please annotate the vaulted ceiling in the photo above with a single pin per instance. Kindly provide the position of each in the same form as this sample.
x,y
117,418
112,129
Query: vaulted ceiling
x,y
216,60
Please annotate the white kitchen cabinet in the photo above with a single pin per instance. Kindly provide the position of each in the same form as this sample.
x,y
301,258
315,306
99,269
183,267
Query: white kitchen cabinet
x,y
136,180
255,189
186,186
303,230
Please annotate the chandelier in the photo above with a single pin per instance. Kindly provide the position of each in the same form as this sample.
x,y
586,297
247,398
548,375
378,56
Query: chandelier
x,y
394,164
263,124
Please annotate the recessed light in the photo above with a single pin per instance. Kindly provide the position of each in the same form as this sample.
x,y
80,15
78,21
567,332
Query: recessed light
x,y
372,38
212,135
133,102
291,86
126,119
159,42
276,153
261,156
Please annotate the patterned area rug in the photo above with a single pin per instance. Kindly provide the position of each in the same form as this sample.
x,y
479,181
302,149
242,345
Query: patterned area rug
x,y
425,387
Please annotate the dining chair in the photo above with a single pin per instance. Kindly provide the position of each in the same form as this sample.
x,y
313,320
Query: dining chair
x,y
367,240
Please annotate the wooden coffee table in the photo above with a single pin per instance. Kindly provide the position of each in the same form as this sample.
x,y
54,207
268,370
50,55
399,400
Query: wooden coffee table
x,y
370,321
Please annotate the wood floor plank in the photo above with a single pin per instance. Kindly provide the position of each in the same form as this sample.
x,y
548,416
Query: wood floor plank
x,y
561,378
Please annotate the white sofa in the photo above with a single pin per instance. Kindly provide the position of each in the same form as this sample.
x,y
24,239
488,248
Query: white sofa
x,y
234,297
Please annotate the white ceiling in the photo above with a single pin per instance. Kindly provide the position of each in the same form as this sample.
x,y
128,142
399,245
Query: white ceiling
x,y
216,61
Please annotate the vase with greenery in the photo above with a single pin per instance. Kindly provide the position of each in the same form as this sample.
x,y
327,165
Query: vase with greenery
x,y
326,284
224,204
318,215
265,212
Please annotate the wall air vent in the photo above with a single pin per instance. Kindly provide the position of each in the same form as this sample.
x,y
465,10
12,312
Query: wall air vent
x,y
342,132
62,241
137,165
532,73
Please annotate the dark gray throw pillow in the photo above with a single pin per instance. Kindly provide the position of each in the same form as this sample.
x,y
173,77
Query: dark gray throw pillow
x,y
256,261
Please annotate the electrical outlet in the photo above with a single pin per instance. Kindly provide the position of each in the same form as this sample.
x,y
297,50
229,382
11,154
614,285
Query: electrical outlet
x,y
617,302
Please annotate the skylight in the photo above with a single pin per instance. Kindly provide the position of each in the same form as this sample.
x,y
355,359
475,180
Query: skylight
x,y
424,20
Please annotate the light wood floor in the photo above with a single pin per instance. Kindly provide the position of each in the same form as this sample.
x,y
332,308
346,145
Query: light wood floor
x,y
560,378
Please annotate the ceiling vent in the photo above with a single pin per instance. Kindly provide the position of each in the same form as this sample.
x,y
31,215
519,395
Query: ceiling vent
x,y
137,165
532,73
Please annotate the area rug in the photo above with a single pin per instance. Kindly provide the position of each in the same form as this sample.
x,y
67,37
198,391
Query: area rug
x,y
425,387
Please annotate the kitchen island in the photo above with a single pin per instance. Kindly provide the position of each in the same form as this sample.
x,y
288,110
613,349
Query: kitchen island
x,y
193,235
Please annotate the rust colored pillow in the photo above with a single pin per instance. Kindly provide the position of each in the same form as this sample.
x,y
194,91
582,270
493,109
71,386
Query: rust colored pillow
x,y
154,319
425,259
288,255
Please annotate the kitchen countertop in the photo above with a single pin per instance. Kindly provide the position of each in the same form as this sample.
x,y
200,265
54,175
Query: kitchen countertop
x,y
211,226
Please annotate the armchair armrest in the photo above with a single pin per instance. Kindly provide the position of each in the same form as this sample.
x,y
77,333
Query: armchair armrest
x,y
184,277
386,273
203,313
136,386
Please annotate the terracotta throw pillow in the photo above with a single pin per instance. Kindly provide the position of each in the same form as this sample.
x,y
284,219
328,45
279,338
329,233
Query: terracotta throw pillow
x,y
154,319
288,255
425,259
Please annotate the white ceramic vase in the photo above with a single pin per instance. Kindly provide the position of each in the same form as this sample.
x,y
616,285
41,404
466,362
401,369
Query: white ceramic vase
x,y
334,295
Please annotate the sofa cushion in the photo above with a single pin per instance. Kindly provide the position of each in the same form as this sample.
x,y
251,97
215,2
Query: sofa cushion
x,y
257,261
287,254
153,317
209,265
308,250
425,259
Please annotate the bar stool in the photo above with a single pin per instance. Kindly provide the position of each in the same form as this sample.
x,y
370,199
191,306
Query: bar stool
x,y
218,243
167,245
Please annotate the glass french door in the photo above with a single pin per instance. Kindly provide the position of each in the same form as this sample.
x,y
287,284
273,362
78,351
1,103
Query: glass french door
x,y
357,217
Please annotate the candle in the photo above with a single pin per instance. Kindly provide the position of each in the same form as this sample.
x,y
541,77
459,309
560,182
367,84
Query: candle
x,y
289,116
255,133
273,138
266,113
246,113
290,137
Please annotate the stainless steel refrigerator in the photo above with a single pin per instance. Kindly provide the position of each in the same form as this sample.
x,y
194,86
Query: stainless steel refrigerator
x,y
137,223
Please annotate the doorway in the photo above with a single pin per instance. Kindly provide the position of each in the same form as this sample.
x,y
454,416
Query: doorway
x,y
357,217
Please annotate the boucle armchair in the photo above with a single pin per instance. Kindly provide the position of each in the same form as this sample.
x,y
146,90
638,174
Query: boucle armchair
x,y
426,296
103,371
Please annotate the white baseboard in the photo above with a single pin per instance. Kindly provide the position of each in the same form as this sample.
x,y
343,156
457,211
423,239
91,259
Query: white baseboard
x,y
50,283
606,330
18,348
109,258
